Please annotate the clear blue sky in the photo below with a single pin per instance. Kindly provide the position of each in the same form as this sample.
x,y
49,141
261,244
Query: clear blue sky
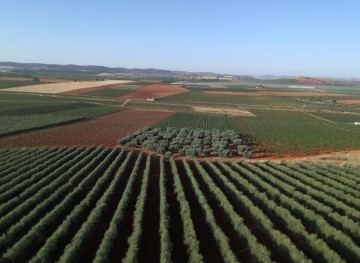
x,y
308,37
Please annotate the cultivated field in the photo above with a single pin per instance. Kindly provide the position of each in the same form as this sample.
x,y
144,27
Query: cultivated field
x,y
90,189
101,131
227,111
154,91
18,116
64,87
103,205
274,93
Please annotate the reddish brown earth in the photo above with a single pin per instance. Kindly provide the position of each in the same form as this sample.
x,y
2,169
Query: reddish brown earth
x,y
101,131
154,91
274,93
348,101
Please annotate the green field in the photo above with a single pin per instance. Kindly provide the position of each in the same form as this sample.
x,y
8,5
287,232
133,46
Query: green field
x,y
158,106
196,121
4,84
198,96
19,113
339,117
295,132
108,92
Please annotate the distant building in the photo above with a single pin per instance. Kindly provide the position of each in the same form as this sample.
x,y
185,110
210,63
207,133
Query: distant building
x,y
150,99
357,123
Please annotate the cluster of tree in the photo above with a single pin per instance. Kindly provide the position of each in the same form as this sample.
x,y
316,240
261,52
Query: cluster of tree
x,y
189,142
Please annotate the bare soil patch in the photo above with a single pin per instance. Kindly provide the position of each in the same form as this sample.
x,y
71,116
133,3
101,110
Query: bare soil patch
x,y
227,111
349,102
275,93
154,91
101,131
64,87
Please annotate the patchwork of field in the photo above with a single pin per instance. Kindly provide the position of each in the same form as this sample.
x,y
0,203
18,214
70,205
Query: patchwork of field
x,y
196,97
106,205
101,131
154,91
64,87
69,194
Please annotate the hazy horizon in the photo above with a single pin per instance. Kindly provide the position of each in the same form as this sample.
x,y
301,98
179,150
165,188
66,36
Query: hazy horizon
x,y
301,38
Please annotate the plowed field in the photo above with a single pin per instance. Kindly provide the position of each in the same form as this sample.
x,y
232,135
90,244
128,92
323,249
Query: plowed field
x,y
101,131
348,101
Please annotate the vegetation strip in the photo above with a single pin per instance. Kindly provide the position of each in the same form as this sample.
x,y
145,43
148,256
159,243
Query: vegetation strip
x,y
190,238
132,254
165,242
107,243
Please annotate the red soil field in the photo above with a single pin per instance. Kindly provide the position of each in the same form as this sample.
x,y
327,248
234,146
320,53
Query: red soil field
x,y
101,131
154,91
348,101
275,93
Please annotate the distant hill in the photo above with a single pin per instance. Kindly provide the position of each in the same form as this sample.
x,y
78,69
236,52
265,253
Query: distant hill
x,y
318,81
90,69
14,67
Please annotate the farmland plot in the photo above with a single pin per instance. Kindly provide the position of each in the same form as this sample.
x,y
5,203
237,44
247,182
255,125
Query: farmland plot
x,y
102,205
101,131
64,87
154,91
